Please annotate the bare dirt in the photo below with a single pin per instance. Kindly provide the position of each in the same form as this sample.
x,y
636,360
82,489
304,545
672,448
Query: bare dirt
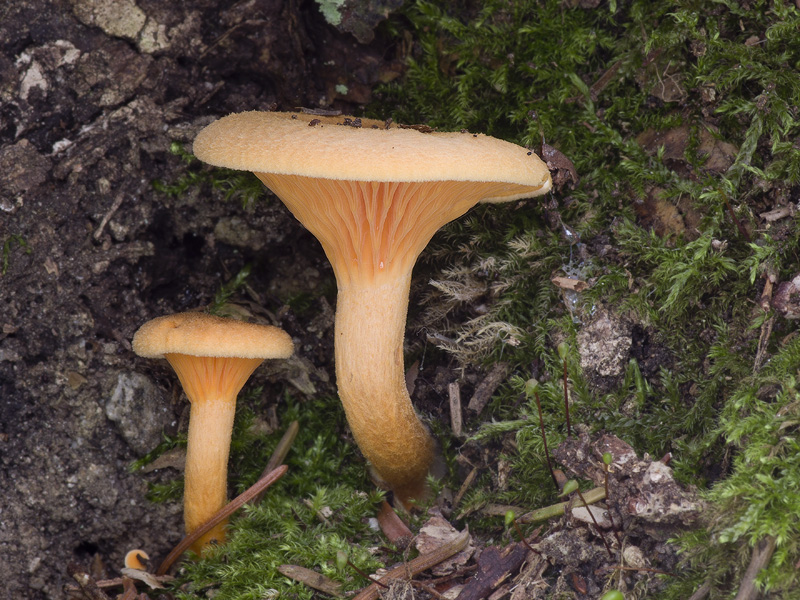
x,y
92,95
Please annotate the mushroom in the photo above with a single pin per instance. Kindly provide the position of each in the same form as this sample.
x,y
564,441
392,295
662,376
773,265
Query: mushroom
x,y
374,195
136,559
213,358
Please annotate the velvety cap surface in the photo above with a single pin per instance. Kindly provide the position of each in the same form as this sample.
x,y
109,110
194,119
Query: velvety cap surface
x,y
201,334
326,147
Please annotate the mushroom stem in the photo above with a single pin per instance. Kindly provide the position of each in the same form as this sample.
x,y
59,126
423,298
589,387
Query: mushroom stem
x,y
370,325
211,384
206,475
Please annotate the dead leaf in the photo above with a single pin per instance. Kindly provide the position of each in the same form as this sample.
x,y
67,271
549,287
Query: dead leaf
x,y
174,459
719,154
312,579
659,214
562,169
662,79
568,283
786,299
393,527
436,532
154,582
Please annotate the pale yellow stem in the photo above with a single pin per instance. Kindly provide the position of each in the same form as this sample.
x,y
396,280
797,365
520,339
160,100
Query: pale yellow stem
x,y
370,322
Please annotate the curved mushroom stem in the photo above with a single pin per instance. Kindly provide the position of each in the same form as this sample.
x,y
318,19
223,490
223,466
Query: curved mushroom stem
x,y
206,477
370,323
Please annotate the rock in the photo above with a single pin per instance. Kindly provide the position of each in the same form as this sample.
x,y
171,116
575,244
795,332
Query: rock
x,y
139,411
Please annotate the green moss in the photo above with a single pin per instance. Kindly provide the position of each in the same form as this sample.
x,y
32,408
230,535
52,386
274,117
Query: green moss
x,y
238,185
591,81
319,507
725,399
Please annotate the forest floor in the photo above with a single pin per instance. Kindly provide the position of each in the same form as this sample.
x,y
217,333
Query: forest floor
x,y
655,292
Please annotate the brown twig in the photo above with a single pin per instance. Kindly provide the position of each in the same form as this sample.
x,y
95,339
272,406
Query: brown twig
x,y
762,553
88,586
234,505
117,581
566,400
736,220
465,486
418,565
427,588
544,440
456,417
279,454
597,526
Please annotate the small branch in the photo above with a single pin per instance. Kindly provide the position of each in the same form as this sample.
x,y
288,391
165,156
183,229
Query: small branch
x,y
86,583
566,399
487,387
762,554
107,217
544,441
259,487
278,455
597,526
465,486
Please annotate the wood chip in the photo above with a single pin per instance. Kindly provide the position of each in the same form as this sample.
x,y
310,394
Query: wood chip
x,y
495,567
777,214
487,387
454,392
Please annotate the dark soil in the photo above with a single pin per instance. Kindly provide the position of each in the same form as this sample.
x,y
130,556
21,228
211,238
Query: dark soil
x,y
92,95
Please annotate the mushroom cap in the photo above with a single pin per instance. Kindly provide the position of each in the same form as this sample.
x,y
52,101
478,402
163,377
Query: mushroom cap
x,y
201,334
333,148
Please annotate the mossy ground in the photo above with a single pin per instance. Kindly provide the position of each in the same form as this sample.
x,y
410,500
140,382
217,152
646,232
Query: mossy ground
x,y
723,80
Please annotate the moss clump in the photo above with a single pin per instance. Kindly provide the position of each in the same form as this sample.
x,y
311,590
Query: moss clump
x,y
717,85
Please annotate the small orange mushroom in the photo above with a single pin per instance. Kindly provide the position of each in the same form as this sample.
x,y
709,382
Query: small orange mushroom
x,y
213,358
374,196
136,559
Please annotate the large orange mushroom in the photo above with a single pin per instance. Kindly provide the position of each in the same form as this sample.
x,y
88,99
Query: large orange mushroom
x,y
374,195
213,358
